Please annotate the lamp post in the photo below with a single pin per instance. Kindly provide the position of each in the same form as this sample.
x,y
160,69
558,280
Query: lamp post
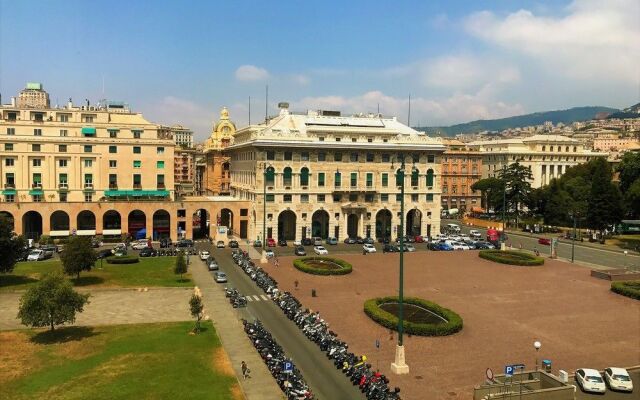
x,y
504,208
263,259
573,239
537,345
399,365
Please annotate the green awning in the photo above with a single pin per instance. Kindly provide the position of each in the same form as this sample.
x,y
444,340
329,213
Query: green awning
x,y
9,191
34,192
136,193
88,131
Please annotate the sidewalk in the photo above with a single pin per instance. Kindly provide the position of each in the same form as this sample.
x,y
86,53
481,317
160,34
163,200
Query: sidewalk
x,y
261,386
596,246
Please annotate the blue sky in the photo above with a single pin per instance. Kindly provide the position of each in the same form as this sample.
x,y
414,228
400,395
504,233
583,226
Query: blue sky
x,y
180,62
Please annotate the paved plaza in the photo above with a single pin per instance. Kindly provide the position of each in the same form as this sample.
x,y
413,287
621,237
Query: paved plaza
x,y
579,321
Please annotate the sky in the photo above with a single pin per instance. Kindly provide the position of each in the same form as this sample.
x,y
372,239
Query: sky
x,y
181,62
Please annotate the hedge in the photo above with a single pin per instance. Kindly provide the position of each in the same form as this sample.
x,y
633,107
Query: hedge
x,y
511,257
301,265
627,288
388,320
122,260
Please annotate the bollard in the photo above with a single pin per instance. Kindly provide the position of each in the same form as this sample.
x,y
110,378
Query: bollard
x,y
313,293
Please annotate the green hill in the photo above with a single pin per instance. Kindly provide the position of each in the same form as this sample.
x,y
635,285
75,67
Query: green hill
x,y
565,116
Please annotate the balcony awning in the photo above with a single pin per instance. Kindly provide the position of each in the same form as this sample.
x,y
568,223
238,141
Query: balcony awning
x,y
136,193
88,131
34,192
9,191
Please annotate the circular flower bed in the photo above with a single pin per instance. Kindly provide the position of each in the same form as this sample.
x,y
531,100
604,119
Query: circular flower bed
x,y
627,288
443,321
322,266
122,260
511,257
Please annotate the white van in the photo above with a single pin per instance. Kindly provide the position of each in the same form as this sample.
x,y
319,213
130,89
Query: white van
x,y
454,228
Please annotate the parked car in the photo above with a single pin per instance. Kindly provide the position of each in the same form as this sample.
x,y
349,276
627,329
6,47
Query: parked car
x,y
300,251
220,244
332,241
59,248
368,240
475,234
233,244
307,242
433,246
369,248
350,240
320,250
359,240
384,239
184,243
544,241
213,265
409,247
48,249
481,245
120,252
269,253
445,246
36,255
220,277
418,239
148,252
271,242
390,248
618,379
203,255
140,244
297,242
257,243
104,253
317,241
282,242
590,380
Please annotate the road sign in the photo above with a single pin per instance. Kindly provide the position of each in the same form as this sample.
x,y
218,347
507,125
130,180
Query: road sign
x,y
489,374
287,367
508,370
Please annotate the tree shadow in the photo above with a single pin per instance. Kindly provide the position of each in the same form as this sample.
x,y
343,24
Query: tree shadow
x,y
183,280
87,280
63,335
13,280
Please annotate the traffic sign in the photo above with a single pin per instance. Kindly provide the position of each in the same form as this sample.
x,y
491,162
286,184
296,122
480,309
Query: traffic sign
x,y
508,370
287,367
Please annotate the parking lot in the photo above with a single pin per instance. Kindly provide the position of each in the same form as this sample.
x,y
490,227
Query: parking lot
x,y
579,321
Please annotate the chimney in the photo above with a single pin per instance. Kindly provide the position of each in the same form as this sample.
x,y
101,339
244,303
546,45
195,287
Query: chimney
x,y
70,104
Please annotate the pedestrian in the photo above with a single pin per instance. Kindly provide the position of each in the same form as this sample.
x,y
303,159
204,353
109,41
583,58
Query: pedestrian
x,y
364,252
296,284
245,371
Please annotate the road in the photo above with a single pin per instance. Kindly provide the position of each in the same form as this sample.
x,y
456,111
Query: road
x,y
325,380
584,254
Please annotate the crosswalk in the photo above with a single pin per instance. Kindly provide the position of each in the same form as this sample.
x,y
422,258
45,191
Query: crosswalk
x,y
261,297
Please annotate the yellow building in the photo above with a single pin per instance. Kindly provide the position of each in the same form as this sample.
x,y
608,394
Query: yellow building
x,y
327,175
217,174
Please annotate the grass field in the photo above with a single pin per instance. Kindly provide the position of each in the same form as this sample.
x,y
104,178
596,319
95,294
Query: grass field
x,y
145,361
152,271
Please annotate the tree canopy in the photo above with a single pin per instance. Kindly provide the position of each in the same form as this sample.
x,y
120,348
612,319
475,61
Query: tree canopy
x,y
10,246
180,266
78,255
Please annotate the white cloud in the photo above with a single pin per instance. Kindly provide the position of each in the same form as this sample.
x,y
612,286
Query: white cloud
x,y
593,40
465,71
300,79
173,110
248,73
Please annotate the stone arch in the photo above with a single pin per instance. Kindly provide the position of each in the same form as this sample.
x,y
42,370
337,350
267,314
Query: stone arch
x,y
287,225
59,221
86,221
200,223
414,222
383,224
32,225
9,218
320,224
137,224
111,220
161,224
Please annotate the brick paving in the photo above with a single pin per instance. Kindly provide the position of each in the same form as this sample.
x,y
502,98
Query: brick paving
x,y
579,321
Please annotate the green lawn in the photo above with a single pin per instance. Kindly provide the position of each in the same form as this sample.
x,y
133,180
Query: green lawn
x,y
152,271
145,361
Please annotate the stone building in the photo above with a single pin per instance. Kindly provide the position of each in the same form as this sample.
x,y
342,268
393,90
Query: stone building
x,y
323,174
33,96
217,174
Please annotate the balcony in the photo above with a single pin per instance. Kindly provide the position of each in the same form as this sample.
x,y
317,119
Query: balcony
x,y
137,186
63,186
36,185
88,185
9,185
113,186
161,186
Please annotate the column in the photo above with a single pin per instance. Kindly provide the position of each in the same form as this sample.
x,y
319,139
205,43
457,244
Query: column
x,y
173,226
99,221
149,223
361,228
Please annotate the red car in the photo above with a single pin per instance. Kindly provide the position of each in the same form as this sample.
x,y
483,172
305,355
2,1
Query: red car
x,y
419,239
271,242
545,241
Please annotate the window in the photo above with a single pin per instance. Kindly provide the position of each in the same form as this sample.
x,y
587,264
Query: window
x,y
430,178
8,162
286,176
415,158
354,139
88,163
11,131
544,148
286,198
36,147
354,179
399,178
88,148
337,156
63,197
244,212
337,198
113,181
369,140
415,175
137,134
62,180
270,198
271,155
322,156
385,179
321,179
338,139
338,179
369,179
37,198
113,164
62,163
386,157
159,150
321,138
9,198
320,198
63,117
304,176
304,156
431,158
304,198
160,164
354,157
137,181
288,156
398,198
368,197
137,164
414,198
575,148
9,179
37,132
88,181
113,149
113,133
353,197
64,133
160,181
370,157
136,150
88,197
37,162
62,148
37,180
270,176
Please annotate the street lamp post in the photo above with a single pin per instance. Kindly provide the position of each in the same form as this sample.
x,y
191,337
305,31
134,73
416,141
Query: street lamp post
x,y
537,345
573,239
504,208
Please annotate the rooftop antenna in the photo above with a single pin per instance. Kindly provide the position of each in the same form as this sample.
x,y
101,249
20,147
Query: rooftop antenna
x,y
378,109
266,103
409,116
249,110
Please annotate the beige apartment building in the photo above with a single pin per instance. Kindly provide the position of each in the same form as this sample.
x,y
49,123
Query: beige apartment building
x,y
548,156
327,175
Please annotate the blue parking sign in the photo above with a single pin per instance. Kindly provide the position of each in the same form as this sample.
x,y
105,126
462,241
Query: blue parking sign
x,y
508,370
287,367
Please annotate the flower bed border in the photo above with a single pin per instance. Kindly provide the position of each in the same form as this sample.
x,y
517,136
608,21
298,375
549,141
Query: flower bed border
x,y
122,260
502,257
301,265
626,288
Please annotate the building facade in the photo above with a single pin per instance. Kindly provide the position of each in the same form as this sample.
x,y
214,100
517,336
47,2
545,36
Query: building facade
x,y
460,170
184,167
217,174
33,96
548,156
183,137
325,175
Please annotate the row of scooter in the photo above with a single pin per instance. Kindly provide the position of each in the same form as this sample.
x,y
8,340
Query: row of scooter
x,y
236,298
373,384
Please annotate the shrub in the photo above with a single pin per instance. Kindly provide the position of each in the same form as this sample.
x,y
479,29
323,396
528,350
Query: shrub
x,y
511,257
388,320
627,288
301,265
122,260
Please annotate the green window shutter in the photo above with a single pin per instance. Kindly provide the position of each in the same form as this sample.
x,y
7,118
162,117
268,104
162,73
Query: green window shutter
x,y
160,164
385,180
113,149
321,179
304,177
399,177
270,198
137,163
37,178
287,176
136,150
369,179
430,197
430,177
414,178
63,178
137,179
354,179
338,179
160,179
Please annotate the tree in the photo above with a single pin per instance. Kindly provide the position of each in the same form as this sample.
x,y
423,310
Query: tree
x,y
197,308
629,169
181,265
557,206
52,301
78,255
516,178
491,191
10,246
632,199
605,202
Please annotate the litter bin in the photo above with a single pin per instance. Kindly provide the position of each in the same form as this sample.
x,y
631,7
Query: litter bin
x,y
546,365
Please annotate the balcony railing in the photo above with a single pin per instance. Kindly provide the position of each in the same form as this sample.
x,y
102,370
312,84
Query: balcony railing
x,y
63,185
37,185
9,185
161,186
137,186
88,185
113,186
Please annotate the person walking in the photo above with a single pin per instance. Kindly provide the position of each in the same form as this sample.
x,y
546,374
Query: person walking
x,y
245,370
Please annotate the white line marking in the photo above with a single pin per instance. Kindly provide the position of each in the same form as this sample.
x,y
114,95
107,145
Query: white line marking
x,y
257,298
249,298
263,297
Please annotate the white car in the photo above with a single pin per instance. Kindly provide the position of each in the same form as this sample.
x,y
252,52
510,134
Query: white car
x,y
475,234
36,255
204,255
297,242
269,253
618,379
140,244
369,248
220,277
320,250
409,247
590,380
